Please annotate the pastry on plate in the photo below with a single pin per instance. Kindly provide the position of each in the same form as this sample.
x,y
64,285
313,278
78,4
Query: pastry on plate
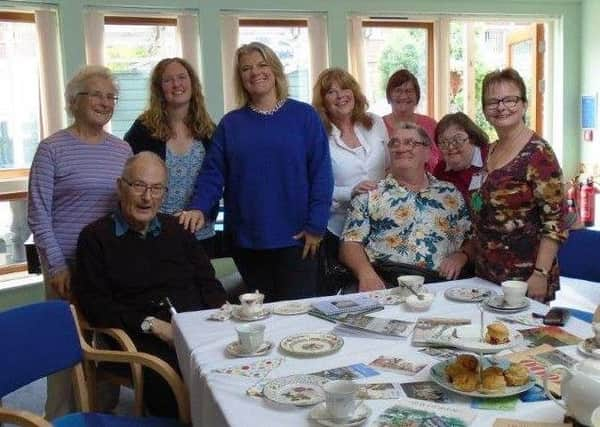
x,y
516,375
492,379
467,361
466,381
497,333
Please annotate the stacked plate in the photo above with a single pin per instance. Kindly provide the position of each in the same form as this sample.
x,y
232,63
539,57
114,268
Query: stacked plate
x,y
498,304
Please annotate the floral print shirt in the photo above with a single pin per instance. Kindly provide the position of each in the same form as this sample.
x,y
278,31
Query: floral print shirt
x,y
521,203
398,225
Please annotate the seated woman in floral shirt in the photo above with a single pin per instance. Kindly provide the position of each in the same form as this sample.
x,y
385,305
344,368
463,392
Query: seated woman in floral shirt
x,y
410,218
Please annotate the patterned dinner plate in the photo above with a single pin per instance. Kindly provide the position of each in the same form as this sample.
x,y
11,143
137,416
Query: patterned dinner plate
x,y
311,344
468,294
291,308
438,375
299,390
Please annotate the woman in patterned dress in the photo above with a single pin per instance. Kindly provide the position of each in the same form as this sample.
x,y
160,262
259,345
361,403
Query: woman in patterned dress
x,y
177,127
518,211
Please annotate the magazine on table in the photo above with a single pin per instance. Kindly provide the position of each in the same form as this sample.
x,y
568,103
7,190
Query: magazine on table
x,y
552,335
346,304
428,330
334,318
373,391
397,365
389,327
420,413
426,390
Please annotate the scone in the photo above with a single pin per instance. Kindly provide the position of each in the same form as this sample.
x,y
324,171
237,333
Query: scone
x,y
467,381
454,369
516,374
497,333
492,379
467,361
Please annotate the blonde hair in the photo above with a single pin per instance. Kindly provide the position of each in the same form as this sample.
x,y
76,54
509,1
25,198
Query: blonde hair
x,y
345,80
281,83
79,81
156,119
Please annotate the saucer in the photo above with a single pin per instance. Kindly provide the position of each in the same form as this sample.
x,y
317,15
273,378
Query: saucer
x,y
291,308
589,348
237,313
319,414
497,302
235,349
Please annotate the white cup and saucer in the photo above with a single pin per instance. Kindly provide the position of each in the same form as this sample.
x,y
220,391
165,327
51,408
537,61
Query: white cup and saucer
x,y
514,292
251,341
251,307
340,407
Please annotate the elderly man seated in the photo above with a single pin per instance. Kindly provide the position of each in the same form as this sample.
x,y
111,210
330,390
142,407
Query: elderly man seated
x,y
411,221
130,261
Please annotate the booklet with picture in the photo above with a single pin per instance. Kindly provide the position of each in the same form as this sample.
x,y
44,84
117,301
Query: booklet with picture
x,y
377,325
373,391
429,329
441,353
552,335
508,403
425,390
397,365
334,318
346,304
352,372
420,413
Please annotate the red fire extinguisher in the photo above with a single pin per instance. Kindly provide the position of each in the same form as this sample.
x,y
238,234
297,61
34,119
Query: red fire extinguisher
x,y
587,204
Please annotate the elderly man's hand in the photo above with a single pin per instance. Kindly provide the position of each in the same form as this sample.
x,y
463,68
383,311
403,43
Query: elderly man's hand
x,y
163,330
192,220
311,243
452,265
370,282
61,283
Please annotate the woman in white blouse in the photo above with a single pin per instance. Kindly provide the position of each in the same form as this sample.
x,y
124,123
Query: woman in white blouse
x,y
357,143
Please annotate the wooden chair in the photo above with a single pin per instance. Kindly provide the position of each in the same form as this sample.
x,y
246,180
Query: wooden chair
x,y
44,338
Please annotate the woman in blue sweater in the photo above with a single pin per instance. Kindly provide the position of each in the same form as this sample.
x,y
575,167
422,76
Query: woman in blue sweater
x,y
270,160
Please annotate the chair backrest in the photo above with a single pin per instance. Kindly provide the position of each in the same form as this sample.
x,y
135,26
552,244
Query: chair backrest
x,y
579,257
37,340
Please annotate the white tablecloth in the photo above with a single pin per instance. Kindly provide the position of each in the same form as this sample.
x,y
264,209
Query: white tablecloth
x,y
220,400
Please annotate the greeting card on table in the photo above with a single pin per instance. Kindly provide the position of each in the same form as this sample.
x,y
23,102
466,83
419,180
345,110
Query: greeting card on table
x,y
552,335
425,390
534,394
508,403
352,372
505,422
258,369
397,365
440,353
535,364
420,413
379,391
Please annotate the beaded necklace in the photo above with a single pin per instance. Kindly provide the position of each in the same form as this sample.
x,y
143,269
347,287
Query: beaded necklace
x,y
270,112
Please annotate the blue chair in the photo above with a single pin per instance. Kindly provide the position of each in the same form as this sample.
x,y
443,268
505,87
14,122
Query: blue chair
x,y
578,256
44,338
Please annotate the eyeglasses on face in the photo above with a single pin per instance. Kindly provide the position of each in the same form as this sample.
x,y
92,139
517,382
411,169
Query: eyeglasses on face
x,y
509,102
139,188
455,142
410,143
399,90
99,96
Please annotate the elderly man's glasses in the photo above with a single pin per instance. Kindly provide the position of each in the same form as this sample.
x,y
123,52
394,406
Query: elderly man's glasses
x,y
139,188
99,96
456,142
509,102
410,143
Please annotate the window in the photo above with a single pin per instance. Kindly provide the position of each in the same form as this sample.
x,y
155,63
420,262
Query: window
x,y
289,40
132,47
390,46
19,85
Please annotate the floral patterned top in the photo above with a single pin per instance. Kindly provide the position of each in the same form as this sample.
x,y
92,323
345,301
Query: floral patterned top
x,y
183,170
397,225
521,203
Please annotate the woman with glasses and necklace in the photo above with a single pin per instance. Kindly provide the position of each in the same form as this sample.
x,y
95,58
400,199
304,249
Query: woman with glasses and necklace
x,y
464,148
518,210
403,94
270,160
177,127
72,183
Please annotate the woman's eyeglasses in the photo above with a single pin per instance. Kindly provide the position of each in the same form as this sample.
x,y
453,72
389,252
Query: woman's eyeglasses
x,y
99,96
455,142
509,102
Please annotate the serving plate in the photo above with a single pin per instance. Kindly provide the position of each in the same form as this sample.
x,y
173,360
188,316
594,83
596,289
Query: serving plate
x,y
468,338
438,375
311,344
468,293
299,390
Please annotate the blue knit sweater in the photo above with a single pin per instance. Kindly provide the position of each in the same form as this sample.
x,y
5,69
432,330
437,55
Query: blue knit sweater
x,y
275,172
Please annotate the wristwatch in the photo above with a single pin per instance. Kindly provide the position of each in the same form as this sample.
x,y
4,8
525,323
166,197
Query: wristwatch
x,y
147,325
541,272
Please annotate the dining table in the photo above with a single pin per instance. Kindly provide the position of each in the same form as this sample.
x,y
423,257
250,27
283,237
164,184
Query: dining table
x,y
218,383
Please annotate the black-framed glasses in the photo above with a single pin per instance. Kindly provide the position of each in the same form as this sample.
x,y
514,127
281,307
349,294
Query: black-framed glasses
x,y
410,143
99,96
139,188
455,142
509,102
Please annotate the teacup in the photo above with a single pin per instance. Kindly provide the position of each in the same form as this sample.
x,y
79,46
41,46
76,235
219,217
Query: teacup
x,y
412,281
250,337
251,303
340,398
514,291
596,330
